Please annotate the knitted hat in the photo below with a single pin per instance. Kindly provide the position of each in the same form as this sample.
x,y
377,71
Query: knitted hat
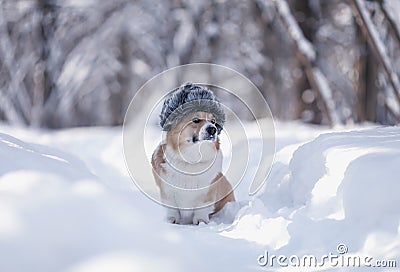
x,y
190,98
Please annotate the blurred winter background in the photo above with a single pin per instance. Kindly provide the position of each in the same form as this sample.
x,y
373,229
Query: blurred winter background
x,y
328,69
66,63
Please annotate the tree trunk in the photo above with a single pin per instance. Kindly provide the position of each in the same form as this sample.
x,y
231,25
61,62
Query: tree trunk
x,y
45,75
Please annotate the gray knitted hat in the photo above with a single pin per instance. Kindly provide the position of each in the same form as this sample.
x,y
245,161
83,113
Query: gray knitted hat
x,y
190,98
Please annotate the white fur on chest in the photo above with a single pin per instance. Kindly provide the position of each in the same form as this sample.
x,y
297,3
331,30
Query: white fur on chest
x,y
185,183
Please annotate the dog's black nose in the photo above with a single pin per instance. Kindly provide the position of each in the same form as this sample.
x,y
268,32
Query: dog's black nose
x,y
211,130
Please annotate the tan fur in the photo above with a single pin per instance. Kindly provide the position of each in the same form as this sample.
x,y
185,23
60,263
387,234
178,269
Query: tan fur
x,y
156,160
223,191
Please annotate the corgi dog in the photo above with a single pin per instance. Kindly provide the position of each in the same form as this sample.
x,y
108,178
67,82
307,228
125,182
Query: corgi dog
x,y
187,164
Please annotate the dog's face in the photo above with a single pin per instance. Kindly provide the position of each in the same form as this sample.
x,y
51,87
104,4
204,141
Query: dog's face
x,y
196,133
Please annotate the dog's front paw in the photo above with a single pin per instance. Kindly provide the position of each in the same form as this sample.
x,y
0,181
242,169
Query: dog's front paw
x,y
202,215
172,220
198,220
173,216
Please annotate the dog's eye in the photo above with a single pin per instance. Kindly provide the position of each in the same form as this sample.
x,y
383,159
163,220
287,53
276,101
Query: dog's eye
x,y
196,120
213,121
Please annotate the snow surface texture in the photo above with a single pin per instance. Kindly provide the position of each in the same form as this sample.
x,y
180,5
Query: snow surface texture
x,y
61,213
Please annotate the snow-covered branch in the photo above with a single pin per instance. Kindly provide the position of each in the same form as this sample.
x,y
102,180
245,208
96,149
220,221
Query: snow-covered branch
x,y
376,44
14,98
294,30
307,56
395,26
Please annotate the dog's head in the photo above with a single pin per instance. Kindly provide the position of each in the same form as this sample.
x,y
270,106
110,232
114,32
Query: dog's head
x,y
193,119
193,129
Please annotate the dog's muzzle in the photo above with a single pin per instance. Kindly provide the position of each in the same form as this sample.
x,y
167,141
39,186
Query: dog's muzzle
x,y
209,133
211,130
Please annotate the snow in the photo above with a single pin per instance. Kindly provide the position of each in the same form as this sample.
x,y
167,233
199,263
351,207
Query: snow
x,y
68,204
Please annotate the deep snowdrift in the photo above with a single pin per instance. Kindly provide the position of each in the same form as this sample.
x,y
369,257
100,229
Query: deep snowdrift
x,y
67,204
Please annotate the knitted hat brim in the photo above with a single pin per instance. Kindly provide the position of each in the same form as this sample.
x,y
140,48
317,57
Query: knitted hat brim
x,y
201,105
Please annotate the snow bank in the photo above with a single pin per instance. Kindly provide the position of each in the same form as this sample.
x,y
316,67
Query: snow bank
x,y
61,213
342,187
54,212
